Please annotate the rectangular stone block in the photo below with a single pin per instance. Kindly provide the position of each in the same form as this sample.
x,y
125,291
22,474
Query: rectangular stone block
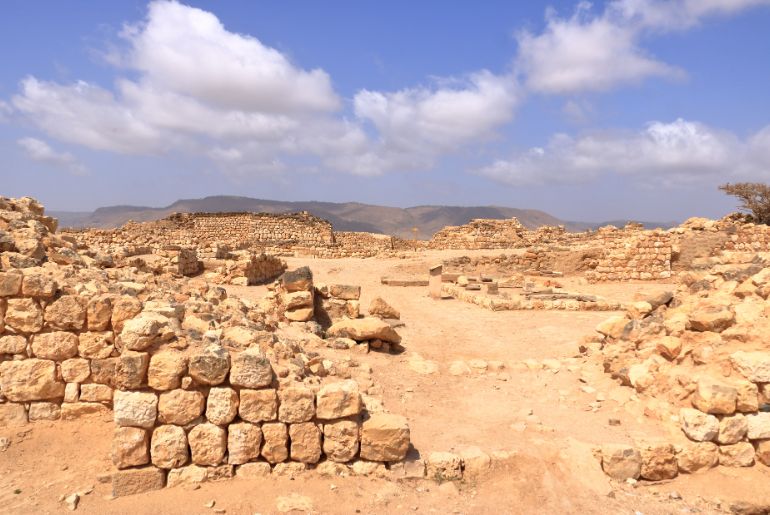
x,y
137,481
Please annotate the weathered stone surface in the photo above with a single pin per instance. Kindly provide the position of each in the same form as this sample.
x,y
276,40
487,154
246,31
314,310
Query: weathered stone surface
x,y
340,441
209,366
24,315
96,344
75,370
297,280
241,338
142,332
297,404
180,407
300,314
345,291
168,448
30,380
12,415
72,392
275,436
476,463
658,461
10,283
44,411
220,472
251,369
758,426
362,329
669,346
189,475
38,285
695,457
297,299
135,409
737,455
243,442
621,462
711,317
732,429
208,444
58,345
699,426
124,308
748,397
444,466
613,327
77,410
253,470
99,313
381,309
384,437
94,392
166,370
137,481
131,369
103,370
713,397
763,452
258,405
221,405
338,400
13,344
130,447
305,442
68,312
754,366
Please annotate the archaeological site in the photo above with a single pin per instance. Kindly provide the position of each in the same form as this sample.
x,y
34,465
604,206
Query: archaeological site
x,y
208,355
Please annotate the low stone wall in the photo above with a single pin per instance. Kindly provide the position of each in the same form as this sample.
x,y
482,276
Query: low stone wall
x,y
480,233
644,256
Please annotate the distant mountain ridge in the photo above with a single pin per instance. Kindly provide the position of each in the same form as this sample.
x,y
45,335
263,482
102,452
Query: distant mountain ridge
x,y
348,216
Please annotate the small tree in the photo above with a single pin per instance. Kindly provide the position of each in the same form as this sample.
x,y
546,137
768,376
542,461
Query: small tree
x,y
754,197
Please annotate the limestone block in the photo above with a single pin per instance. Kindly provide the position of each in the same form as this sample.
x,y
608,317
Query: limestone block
x,y
208,444
135,409
168,448
258,405
340,441
338,400
130,447
243,442
305,440
180,407
251,369
210,365
30,380
384,437
275,436
297,404
221,405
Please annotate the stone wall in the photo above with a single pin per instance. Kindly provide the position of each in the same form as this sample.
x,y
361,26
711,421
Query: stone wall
x,y
480,233
643,256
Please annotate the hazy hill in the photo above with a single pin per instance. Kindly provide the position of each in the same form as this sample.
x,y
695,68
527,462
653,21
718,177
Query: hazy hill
x,y
348,216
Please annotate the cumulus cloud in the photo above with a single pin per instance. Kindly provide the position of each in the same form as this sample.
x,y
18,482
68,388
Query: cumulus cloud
x,y
662,153
592,51
5,111
39,150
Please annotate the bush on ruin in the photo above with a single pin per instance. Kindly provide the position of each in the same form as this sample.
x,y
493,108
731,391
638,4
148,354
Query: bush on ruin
x,y
754,197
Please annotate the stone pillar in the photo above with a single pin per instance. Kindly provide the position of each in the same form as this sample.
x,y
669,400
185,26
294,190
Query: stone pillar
x,y
434,283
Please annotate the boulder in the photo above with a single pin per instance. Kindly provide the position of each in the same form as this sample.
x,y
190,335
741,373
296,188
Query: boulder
x,y
135,409
130,447
258,405
732,429
384,437
24,315
251,369
30,380
658,461
221,405
708,316
362,329
208,444
209,366
96,344
338,400
696,457
754,366
243,442
169,447
381,309
713,397
180,407
275,436
68,312
740,454
305,440
297,404
340,442
165,370
699,426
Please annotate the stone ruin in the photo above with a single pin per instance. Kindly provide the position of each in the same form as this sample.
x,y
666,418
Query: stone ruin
x,y
202,386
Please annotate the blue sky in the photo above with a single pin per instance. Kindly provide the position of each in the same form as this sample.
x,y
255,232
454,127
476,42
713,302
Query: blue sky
x,y
620,109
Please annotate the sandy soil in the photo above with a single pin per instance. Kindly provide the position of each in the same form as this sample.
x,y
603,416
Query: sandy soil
x,y
547,416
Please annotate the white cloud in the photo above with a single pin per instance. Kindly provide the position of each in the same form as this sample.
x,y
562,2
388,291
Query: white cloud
x,y
5,111
39,150
662,153
591,51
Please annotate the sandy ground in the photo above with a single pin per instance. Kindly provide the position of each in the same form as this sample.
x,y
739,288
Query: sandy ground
x,y
546,416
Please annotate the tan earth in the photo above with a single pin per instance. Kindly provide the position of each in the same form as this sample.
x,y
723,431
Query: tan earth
x,y
539,411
